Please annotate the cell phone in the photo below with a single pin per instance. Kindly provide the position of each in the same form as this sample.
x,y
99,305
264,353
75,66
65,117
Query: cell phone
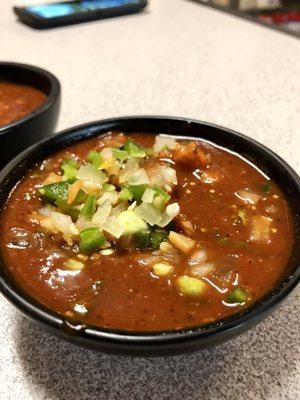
x,y
71,12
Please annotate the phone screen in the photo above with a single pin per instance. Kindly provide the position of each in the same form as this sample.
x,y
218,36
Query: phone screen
x,y
53,10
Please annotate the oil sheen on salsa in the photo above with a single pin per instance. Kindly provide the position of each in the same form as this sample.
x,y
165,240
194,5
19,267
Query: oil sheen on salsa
x,y
234,243
18,100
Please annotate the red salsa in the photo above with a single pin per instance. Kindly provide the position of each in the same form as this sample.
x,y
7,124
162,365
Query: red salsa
x,y
146,232
17,100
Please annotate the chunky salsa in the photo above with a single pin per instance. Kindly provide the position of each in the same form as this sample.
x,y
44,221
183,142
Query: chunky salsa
x,y
18,100
146,233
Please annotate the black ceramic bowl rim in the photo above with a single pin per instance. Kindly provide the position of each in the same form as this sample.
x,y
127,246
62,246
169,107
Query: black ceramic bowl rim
x,y
89,334
50,99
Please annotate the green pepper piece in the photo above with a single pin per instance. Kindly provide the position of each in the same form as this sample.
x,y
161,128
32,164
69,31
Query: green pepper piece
x,y
55,191
89,208
95,158
80,197
125,194
67,209
120,154
134,150
137,191
157,237
90,240
266,187
238,295
69,168
141,239
107,187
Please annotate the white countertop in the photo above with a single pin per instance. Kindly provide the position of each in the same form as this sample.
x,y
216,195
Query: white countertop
x,y
182,59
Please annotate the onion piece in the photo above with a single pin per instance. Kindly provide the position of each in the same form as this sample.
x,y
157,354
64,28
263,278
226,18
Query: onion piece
x,y
167,248
101,214
111,197
163,141
260,228
181,242
118,209
247,196
148,213
90,174
162,269
172,210
197,257
113,227
148,196
106,153
131,166
65,225
201,270
139,178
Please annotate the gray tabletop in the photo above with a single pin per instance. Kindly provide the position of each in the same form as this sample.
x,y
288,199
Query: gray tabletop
x,y
181,59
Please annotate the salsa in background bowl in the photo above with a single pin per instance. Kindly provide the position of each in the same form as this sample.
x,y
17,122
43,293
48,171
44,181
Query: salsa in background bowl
x,y
191,259
29,107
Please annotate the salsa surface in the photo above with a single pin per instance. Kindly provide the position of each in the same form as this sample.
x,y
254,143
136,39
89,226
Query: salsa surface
x,y
238,220
17,100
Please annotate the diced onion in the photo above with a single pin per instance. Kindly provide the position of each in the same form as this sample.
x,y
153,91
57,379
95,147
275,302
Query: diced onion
x,y
260,229
46,210
113,227
139,178
102,213
201,270
131,222
148,196
169,175
148,213
170,213
106,153
173,210
80,309
162,269
73,265
247,196
106,252
118,209
65,225
162,142
83,223
162,176
90,174
111,197
197,257
131,166
181,242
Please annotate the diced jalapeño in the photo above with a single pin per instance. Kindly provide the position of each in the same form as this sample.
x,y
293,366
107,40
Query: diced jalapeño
x,y
95,158
55,191
90,240
69,168
141,239
89,208
134,150
157,237
137,191
238,295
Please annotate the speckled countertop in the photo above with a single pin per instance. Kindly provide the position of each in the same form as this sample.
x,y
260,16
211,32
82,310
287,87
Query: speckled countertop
x,y
178,58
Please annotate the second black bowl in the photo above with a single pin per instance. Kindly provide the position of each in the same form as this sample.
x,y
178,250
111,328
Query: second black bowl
x,y
39,123
157,343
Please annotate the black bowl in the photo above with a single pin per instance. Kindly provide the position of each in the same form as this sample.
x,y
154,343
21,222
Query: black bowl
x,y
38,124
157,343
